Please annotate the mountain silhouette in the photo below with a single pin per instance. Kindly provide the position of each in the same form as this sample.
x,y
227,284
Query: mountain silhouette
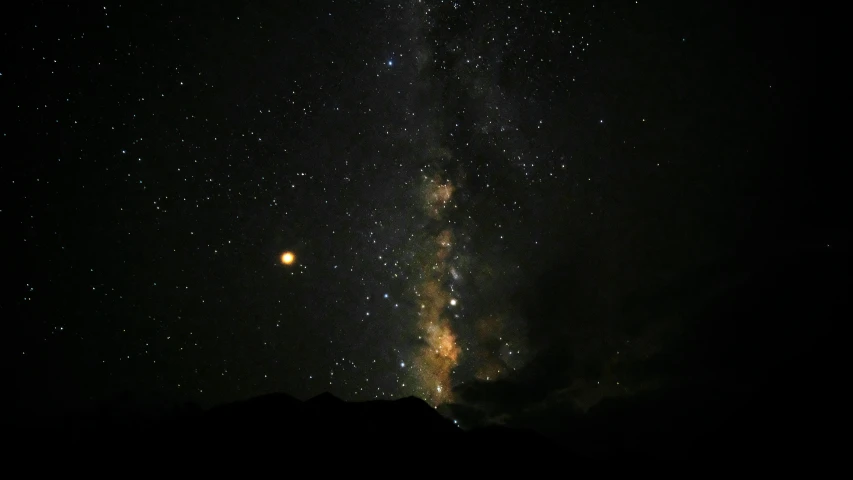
x,y
326,415
281,422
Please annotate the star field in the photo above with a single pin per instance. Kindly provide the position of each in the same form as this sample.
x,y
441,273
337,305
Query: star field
x,y
214,201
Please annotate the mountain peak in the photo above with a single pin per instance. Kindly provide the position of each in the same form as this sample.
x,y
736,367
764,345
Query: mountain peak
x,y
325,398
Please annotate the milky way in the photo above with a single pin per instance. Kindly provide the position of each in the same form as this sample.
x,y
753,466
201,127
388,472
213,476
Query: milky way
x,y
455,343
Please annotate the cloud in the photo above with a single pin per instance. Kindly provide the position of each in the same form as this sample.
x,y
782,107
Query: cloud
x,y
720,350
552,366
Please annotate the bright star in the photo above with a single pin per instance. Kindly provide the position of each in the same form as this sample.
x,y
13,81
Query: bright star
x,y
287,258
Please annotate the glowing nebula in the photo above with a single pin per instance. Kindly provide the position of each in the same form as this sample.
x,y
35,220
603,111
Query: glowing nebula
x,y
438,194
440,353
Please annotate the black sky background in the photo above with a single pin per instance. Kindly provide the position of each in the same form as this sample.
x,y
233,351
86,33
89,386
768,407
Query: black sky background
x,y
682,193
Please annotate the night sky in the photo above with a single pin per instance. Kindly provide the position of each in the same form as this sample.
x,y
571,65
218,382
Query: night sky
x,y
473,194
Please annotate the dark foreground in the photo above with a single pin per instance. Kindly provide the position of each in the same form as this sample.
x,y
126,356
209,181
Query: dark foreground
x,y
385,435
